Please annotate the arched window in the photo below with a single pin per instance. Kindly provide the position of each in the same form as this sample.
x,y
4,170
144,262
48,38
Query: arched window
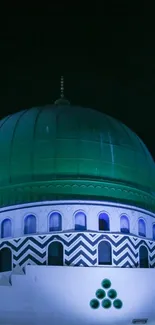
x,y
141,228
30,224
124,224
104,253
55,223
153,229
143,257
6,228
104,222
80,221
55,253
5,260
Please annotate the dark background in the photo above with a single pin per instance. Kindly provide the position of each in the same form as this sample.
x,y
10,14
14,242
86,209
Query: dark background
x,y
106,54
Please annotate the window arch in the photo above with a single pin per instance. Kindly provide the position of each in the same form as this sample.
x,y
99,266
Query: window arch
x,y
141,228
80,221
30,224
6,228
55,253
143,257
5,259
153,230
55,222
104,221
104,253
124,224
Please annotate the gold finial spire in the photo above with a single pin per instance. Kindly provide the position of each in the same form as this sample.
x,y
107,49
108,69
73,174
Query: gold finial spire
x,y
62,87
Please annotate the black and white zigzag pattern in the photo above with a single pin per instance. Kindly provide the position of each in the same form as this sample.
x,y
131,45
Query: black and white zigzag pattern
x,y
79,249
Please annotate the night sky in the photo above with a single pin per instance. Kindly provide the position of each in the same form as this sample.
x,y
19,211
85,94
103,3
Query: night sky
x,y
106,54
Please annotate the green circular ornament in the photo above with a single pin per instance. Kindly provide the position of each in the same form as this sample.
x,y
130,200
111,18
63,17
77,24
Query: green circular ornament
x,y
106,303
117,303
100,294
94,303
106,284
112,294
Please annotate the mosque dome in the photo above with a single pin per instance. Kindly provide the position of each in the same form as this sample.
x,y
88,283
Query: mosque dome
x,y
65,151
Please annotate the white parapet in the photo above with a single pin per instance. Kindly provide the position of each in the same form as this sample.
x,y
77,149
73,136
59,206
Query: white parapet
x,y
63,295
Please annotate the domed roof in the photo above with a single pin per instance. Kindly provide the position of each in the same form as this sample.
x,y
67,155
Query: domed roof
x,y
65,151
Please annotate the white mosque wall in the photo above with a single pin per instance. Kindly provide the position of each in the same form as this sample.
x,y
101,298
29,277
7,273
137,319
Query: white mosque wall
x,y
67,209
79,247
63,295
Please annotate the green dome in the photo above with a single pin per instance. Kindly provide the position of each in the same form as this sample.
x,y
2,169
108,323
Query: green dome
x,y
64,151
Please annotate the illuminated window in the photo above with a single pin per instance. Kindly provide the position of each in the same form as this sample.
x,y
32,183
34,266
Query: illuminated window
x,y
104,253
55,253
55,222
6,228
124,224
104,222
153,232
30,224
143,257
80,221
5,260
141,228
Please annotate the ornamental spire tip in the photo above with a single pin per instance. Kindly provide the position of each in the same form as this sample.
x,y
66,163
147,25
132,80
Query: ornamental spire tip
x,y
62,87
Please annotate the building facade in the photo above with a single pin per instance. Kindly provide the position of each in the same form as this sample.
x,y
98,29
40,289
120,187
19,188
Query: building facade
x,y
77,219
